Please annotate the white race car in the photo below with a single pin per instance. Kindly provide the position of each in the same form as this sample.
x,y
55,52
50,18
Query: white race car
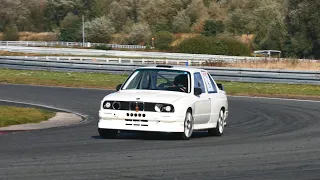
x,y
165,99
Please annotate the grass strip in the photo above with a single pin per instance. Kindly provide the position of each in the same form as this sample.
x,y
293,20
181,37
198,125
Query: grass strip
x,y
109,81
10,115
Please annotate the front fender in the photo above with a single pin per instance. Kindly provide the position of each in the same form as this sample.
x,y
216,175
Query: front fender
x,y
182,105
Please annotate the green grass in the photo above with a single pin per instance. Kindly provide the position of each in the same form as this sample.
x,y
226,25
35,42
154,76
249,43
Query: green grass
x,y
109,81
276,90
10,115
72,79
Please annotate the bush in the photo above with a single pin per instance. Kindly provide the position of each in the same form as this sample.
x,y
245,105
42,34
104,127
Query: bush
x,y
212,28
212,45
236,48
148,47
103,47
11,33
163,39
70,28
181,23
139,32
99,30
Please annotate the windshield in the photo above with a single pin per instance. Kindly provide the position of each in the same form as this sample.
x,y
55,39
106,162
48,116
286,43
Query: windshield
x,y
159,79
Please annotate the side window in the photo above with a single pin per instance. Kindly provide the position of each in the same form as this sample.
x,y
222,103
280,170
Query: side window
x,y
214,87
198,82
209,83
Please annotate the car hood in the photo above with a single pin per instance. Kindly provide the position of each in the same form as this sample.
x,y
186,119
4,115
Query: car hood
x,y
146,96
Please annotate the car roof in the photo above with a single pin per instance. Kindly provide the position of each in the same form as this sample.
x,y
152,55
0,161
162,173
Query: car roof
x,y
180,68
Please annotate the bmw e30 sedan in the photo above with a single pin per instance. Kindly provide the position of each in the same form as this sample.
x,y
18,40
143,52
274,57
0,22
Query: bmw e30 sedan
x,y
165,99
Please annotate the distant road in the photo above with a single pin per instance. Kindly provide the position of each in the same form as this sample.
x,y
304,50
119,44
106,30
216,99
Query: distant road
x,y
142,54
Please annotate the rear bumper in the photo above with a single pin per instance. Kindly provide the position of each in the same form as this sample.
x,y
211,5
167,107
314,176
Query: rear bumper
x,y
148,121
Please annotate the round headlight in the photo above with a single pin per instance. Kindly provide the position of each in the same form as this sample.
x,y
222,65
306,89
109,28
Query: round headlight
x,y
116,105
158,107
107,105
168,108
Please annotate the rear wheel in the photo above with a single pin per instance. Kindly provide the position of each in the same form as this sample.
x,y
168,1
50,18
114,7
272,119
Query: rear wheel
x,y
108,133
218,130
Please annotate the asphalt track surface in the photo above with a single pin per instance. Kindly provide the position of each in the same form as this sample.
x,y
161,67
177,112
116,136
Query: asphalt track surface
x,y
265,139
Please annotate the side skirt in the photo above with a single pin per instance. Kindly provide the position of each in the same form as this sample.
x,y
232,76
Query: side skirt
x,y
204,126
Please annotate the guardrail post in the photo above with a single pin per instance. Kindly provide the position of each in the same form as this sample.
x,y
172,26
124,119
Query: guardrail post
x,y
119,60
166,61
131,61
69,58
142,61
47,58
189,62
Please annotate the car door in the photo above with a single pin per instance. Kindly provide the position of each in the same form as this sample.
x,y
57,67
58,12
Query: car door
x,y
216,98
203,102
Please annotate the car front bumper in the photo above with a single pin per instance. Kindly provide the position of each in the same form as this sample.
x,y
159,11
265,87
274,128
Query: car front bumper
x,y
140,121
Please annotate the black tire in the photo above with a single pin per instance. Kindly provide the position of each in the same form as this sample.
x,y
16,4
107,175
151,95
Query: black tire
x,y
108,133
217,131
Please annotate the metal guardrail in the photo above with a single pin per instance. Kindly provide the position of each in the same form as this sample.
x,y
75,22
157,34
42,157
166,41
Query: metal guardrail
x,y
66,44
113,60
225,74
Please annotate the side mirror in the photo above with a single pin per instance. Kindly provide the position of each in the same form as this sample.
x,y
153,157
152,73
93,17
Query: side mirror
x,y
197,91
118,87
220,86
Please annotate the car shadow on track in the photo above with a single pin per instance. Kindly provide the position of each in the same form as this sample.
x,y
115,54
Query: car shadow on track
x,y
153,135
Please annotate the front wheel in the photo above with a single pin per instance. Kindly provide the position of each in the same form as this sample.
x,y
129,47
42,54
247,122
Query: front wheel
x,y
188,126
218,130
108,133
